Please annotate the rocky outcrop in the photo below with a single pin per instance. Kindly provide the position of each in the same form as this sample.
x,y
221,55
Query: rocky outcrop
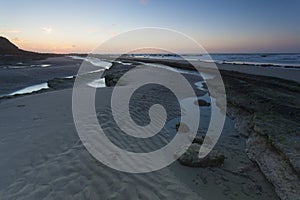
x,y
271,161
275,166
201,103
61,83
266,111
191,158
113,74
198,140
111,80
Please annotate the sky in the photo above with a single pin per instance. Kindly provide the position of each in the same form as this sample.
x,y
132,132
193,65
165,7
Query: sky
x,y
220,26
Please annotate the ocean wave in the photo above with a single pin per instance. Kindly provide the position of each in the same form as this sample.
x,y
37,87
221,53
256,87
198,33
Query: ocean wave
x,y
94,61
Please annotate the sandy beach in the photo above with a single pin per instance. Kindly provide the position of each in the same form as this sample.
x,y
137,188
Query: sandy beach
x,y
52,163
150,100
43,157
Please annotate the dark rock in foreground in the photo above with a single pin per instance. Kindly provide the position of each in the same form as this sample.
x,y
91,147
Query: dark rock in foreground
x,y
115,72
201,102
61,83
198,140
190,158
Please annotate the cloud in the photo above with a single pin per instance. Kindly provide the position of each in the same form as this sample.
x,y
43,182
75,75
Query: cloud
x,y
47,30
10,31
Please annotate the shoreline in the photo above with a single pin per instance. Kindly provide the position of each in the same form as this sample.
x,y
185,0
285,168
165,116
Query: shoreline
x,y
247,125
283,73
56,62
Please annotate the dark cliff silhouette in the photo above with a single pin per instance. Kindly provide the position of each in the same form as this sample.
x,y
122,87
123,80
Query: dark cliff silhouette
x,y
9,49
11,54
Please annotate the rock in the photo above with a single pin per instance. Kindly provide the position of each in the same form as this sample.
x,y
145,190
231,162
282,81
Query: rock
x,y
61,83
201,102
274,166
111,80
198,140
115,72
190,158
182,127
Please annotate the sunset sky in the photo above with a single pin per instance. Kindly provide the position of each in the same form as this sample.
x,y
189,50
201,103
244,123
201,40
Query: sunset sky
x,y
218,25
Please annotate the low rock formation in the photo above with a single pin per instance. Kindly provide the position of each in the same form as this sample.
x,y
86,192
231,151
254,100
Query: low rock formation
x,y
201,102
191,158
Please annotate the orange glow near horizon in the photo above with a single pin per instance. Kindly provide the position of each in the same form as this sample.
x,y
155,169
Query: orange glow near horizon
x,y
211,44
52,47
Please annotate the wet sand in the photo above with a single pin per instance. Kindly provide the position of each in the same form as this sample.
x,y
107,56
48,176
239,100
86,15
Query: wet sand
x,y
13,78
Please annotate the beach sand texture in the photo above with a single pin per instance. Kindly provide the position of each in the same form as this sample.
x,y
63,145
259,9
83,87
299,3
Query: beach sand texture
x,y
43,156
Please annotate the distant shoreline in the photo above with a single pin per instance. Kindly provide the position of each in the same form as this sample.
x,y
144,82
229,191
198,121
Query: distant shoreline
x,y
277,72
57,64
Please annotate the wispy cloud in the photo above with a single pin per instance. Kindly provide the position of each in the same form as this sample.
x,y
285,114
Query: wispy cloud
x,y
10,31
47,29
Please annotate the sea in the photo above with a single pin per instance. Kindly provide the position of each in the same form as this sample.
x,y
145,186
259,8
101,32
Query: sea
x,y
289,60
